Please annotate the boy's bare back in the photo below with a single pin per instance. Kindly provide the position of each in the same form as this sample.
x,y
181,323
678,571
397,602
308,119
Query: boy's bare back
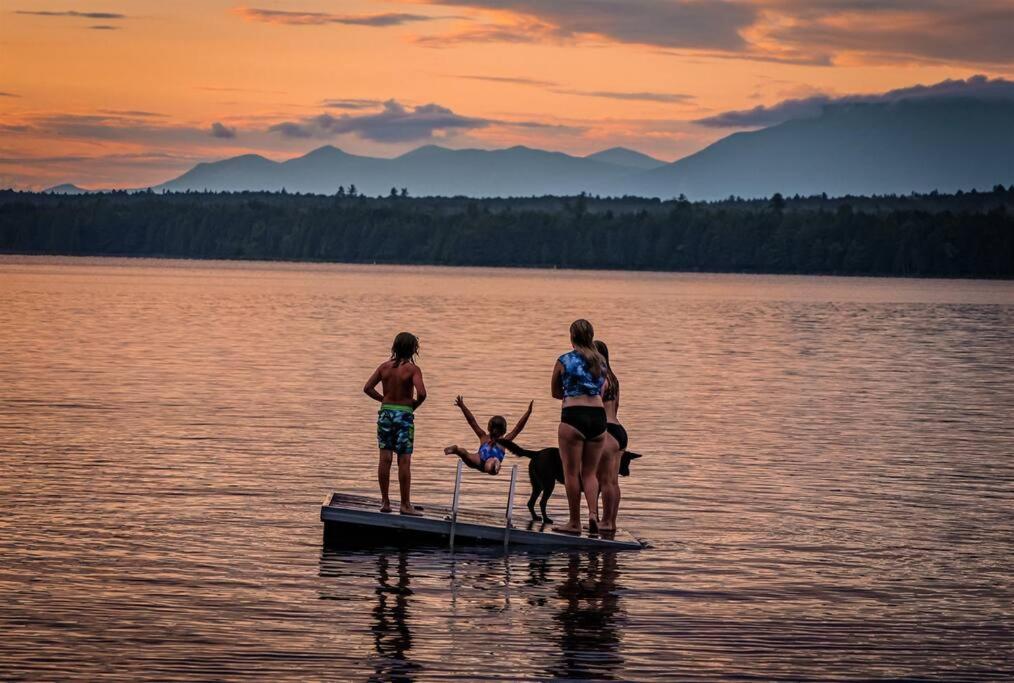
x,y
399,382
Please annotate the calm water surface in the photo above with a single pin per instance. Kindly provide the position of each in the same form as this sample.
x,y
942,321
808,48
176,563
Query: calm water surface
x,y
828,480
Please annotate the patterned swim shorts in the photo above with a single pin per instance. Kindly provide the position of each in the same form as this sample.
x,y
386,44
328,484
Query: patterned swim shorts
x,y
396,429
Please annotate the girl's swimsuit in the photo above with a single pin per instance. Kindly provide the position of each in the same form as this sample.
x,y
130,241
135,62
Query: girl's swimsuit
x,y
490,450
577,377
615,429
578,380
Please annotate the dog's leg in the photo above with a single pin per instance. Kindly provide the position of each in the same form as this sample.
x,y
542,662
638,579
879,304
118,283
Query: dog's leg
x,y
547,492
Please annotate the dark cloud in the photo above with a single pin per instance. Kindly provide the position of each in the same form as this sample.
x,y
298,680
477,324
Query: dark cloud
x,y
9,94
104,27
979,87
779,31
712,24
220,130
83,15
394,123
973,31
351,104
270,16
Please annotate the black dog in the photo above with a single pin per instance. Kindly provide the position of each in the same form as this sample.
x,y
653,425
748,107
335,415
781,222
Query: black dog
x,y
546,469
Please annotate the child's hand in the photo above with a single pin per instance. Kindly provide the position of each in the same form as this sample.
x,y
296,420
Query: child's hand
x,y
460,402
531,404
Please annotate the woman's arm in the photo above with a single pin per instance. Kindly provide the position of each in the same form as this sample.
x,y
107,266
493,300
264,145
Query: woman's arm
x,y
513,434
371,386
557,384
479,432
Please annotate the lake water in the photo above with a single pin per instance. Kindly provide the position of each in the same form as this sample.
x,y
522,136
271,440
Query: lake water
x,y
827,482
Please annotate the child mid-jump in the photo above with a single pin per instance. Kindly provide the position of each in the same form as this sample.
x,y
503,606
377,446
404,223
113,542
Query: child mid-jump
x,y
404,391
490,454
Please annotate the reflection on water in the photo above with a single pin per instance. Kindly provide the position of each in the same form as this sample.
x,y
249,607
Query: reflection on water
x,y
589,619
827,480
572,607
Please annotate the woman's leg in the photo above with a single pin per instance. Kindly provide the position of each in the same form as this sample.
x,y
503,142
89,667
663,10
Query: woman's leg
x,y
609,486
591,453
571,453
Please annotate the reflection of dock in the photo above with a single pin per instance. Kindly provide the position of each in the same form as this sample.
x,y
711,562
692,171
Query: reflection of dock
x,y
352,519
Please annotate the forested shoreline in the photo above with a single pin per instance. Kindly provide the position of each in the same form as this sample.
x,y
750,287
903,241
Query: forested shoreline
x,y
963,235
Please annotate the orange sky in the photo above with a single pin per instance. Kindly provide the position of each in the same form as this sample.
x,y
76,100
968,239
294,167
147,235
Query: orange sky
x,y
126,93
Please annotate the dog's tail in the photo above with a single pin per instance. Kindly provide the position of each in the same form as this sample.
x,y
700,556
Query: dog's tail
x,y
516,449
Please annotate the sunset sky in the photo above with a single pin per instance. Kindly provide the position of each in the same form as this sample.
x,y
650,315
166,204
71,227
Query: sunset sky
x,y
128,93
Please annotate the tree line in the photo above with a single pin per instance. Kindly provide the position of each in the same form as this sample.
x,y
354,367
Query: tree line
x,y
931,235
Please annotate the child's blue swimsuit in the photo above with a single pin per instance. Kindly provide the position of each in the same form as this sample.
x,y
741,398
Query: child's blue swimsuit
x,y
490,450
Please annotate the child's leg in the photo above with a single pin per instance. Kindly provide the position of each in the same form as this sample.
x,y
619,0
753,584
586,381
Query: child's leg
x,y
384,478
405,484
471,459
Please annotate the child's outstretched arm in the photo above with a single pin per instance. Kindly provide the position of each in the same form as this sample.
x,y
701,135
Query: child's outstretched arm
x,y
479,431
521,423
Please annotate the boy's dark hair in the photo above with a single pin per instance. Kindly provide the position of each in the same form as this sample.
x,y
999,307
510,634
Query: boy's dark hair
x,y
497,426
404,348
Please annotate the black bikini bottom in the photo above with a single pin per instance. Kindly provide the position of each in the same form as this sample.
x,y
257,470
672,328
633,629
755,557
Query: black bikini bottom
x,y
589,420
619,433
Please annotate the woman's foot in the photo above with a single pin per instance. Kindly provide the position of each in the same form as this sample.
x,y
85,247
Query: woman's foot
x,y
605,528
593,525
569,528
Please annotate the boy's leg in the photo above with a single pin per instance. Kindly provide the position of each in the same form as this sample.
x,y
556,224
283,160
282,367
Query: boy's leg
x,y
384,478
405,484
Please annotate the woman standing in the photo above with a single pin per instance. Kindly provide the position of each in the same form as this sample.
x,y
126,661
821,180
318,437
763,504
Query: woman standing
x,y
579,378
612,450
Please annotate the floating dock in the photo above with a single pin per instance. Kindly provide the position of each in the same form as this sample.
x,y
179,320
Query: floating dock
x,y
357,520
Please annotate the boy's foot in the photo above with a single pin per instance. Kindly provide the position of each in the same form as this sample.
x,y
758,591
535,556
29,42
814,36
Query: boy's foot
x,y
410,510
568,529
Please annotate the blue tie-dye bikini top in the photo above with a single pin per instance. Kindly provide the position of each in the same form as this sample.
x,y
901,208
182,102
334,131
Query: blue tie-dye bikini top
x,y
577,377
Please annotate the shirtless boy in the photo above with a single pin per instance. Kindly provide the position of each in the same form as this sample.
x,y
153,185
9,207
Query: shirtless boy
x,y
404,391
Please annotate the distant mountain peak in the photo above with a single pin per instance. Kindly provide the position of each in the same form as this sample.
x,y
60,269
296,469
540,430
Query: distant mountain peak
x,y
66,188
628,158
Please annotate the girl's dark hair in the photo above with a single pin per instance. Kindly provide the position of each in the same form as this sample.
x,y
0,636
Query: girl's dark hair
x,y
497,424
582,336
614,384
404,348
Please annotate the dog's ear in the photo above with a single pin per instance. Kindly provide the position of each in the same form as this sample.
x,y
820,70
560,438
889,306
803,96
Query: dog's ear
x,y
632,455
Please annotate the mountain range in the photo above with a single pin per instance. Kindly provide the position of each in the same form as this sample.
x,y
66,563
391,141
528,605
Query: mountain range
x,y
942,143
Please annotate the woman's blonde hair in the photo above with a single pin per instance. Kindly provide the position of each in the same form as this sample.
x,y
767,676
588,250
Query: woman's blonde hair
x,y
582,336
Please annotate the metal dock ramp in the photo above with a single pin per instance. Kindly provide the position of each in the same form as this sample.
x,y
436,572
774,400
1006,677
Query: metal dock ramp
x,y
351,519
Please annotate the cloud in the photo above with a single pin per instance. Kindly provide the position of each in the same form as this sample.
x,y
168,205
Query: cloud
x,y
552,86
663,97
269,16
979,87
351,104
220,130
972,31
9,94
508,79
71,13
778,31
394,123
712,24
104,27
